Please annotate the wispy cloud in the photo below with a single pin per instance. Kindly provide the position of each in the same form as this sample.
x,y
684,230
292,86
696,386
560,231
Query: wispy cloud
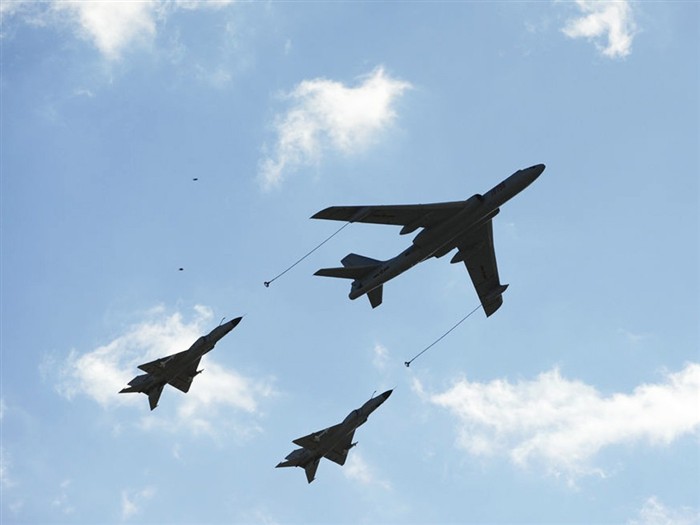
x,y
61,502
6,480
326,114
99,374
611,22
654,512
381,356
257,515
564,423
133,501
357,469
112,26
10,498
634,338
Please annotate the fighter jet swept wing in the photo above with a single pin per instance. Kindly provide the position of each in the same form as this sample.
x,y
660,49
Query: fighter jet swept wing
x,y
336,434
332,443
177,370
181,361
159,365
464,225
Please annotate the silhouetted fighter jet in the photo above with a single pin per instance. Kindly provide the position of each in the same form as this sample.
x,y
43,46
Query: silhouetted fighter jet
x,y
333,442
465,225
179,369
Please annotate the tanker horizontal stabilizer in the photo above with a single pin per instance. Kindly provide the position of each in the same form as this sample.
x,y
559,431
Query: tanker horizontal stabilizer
x,y
354,267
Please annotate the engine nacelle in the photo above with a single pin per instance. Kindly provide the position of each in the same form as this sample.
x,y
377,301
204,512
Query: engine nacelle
x,y
413,226
458,257
444,250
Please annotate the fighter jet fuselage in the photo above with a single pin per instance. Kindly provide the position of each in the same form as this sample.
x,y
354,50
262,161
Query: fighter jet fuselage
x,y
177,369
333,442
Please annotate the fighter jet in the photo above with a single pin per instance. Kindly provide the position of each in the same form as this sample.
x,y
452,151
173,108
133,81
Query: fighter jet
x,y
179,369
333,442
465,225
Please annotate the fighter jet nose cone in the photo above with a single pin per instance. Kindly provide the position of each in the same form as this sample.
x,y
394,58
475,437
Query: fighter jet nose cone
x,y
386,394
234,322
538,169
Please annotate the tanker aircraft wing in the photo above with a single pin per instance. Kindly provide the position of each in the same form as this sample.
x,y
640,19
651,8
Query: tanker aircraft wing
x,y
477,251
475,248
418,215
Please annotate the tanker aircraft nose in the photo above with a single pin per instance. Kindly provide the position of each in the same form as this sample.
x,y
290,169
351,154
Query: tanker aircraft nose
x,y
535,171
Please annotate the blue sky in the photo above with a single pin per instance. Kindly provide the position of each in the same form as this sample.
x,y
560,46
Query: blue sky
x,y
577,402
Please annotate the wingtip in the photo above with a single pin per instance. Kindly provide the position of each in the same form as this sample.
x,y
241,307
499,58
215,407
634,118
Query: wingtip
x,y
319,214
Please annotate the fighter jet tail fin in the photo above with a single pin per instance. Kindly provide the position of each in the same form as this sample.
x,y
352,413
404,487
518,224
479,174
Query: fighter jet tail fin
x,y
354,267
311,469
154,396
375,296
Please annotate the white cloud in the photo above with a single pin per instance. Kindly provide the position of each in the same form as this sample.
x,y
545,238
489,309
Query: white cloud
x,y
257,515
99,374
61,502
133,501
611,19
222,388
357,469
656,513
10,8
381,356
200,4
218,78
564,423
326,114
111,25
632,337
5,480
